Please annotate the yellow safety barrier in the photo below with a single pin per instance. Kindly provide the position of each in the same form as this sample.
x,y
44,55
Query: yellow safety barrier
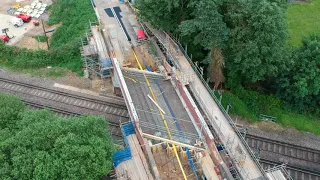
x,y
162,115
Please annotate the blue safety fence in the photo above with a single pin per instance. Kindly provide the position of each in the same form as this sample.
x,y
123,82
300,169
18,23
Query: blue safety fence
x,y
128,129
175,120
123,155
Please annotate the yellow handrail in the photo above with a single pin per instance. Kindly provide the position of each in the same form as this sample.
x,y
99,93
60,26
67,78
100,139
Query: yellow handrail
x,y
162,115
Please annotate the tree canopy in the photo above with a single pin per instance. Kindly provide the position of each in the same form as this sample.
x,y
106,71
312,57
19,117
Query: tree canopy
x,y
252,34
245,41
211,32
206,24
41,145
163,14
257,42
301,84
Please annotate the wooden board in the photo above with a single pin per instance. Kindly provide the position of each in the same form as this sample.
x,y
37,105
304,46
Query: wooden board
x,y
137,167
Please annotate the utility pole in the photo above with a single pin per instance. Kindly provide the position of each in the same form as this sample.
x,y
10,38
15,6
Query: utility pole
x,y
44,31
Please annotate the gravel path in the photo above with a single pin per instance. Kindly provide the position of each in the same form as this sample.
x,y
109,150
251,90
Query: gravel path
x,y
290,135
73,80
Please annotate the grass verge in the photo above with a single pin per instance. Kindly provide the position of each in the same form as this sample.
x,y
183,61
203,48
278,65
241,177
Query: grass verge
x,y
303,21
249,109
41,38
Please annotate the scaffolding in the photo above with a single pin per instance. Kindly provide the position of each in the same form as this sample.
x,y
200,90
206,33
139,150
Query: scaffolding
x,y
89,54
94,51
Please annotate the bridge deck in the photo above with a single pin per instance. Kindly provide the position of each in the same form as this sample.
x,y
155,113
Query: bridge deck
x,y
150,119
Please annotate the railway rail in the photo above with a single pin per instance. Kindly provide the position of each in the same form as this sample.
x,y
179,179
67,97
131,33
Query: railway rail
x,y
110,107
283,148
295,172
113,127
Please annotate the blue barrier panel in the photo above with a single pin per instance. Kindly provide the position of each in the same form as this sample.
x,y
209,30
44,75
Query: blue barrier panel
x,y
128,129
121,156
125,154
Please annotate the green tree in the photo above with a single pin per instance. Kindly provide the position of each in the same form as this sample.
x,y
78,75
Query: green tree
x,y
163,14
46,146
257,41
210,32
300,85
10,111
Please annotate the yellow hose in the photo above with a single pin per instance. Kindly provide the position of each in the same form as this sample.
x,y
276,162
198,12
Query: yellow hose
x,y
162,115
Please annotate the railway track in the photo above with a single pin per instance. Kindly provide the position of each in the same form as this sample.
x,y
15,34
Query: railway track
x,y
295,172
114,128
284,149
112,107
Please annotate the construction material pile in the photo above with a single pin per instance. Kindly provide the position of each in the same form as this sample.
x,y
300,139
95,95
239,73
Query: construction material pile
x,y
35,9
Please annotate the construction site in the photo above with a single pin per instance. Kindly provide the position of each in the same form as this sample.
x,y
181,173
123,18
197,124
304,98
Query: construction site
x,y
168,136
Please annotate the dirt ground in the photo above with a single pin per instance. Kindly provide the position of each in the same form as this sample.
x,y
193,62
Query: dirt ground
x,y
15,33
31,43
142,52
22,36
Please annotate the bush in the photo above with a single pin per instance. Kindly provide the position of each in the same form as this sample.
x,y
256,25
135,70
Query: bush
x,y
239,108
74,16
10,111
257,102
249,104
41,38
42,145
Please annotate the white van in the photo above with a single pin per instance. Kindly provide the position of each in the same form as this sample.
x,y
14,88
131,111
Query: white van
x,y
17,22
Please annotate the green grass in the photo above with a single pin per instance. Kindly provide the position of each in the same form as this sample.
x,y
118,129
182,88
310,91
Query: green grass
x,y
249,109
303,20
239,108
41,38
301,122
53,73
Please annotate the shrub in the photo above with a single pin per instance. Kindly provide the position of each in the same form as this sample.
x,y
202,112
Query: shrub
x,y
41,38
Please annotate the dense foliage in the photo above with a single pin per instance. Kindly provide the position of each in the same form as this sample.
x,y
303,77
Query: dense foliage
x,y
164,14
37,144
209,31
245,41
256,46
301,84
252,34
64,44
75,16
